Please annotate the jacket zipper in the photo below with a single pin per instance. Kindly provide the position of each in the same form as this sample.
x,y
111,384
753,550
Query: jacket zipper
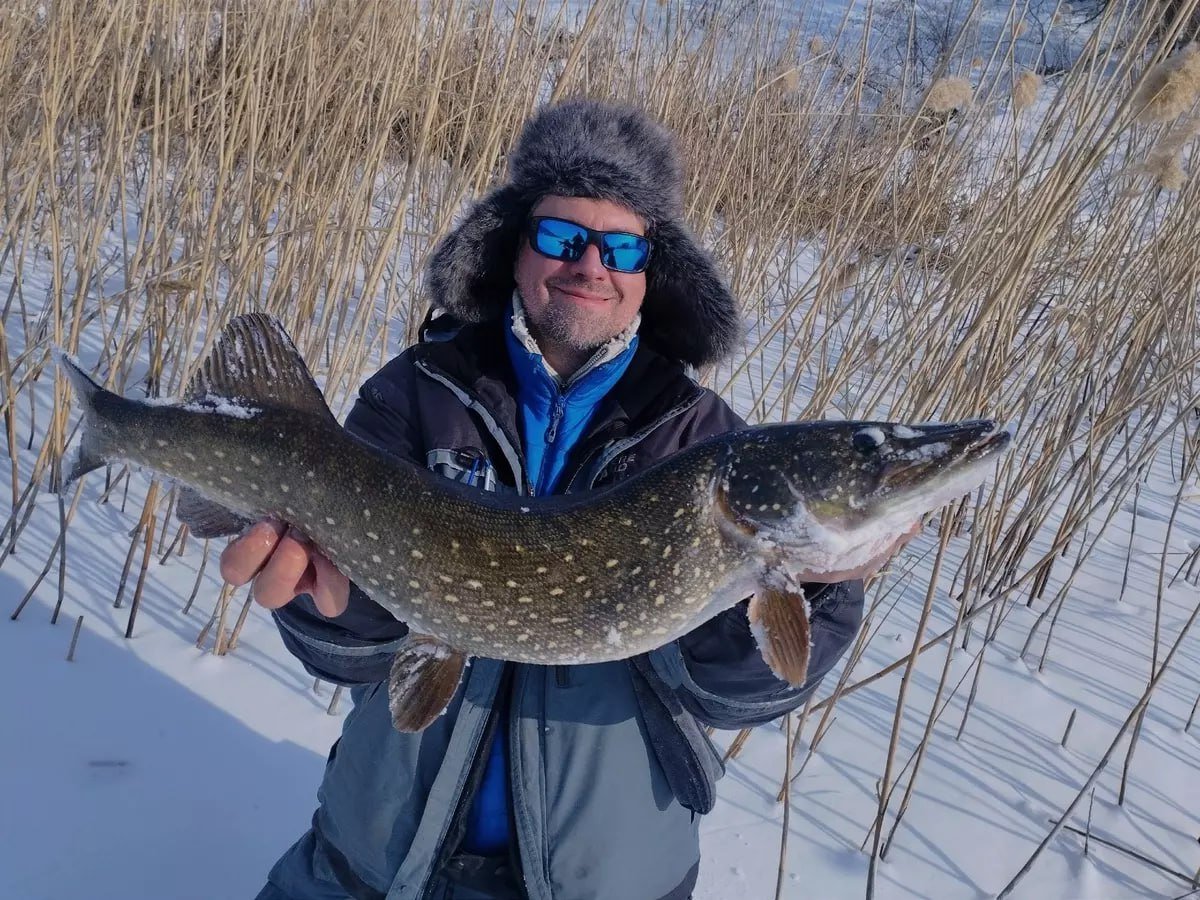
x,y
562,675
512,453
556,417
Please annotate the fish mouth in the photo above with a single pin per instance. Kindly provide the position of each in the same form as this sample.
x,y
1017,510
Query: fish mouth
x,y
943,449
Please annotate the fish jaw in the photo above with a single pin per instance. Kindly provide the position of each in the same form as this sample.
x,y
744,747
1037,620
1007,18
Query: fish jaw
x,y
815,537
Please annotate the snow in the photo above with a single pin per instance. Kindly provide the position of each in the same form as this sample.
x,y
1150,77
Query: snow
x,y
222,406
149,768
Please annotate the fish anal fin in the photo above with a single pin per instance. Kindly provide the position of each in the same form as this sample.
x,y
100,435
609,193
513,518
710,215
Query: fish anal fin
x,y
255,362
425,675
779,620
206,519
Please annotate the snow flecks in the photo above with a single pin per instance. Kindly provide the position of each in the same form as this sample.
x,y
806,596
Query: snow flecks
x,y
221,406
925,452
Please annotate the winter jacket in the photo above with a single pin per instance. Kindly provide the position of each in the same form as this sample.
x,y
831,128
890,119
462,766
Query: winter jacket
x,y
609,764
553,415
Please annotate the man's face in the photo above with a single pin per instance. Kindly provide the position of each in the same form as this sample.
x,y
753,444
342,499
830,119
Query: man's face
x,y
574,307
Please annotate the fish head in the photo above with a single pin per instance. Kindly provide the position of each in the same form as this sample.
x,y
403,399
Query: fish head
x,y
848,484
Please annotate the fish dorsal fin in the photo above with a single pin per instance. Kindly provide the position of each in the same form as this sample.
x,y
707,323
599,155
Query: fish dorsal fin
x,y
779,619
255,362
425,675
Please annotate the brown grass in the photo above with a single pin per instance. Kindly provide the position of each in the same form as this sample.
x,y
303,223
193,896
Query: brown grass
x,y
896,251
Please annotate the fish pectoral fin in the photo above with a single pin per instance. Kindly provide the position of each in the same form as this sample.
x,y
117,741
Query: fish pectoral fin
x,y
255,362
779,620
206,519
425,675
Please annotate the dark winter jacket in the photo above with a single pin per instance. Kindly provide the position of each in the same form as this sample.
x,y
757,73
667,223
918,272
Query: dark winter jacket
x,y
609,763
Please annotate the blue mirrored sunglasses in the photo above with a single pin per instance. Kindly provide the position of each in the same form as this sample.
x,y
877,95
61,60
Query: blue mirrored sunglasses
x,y
562,239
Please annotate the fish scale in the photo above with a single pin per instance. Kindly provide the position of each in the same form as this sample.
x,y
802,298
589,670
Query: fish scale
x,y
561,582
573,579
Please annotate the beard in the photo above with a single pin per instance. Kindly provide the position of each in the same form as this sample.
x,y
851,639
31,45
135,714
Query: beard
x,y
578,327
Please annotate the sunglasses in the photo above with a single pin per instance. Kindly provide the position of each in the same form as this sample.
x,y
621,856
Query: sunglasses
x,y
564,240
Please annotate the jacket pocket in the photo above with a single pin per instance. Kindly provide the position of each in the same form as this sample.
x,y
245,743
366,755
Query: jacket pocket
x,y
470,466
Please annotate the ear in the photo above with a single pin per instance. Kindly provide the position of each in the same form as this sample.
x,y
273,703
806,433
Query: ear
x,y
689,312
470,273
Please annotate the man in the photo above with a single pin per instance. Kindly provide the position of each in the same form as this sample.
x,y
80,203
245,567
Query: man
x,y
570,299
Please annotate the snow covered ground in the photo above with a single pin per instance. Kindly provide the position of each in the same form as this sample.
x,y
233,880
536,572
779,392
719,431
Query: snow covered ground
x,y
149,768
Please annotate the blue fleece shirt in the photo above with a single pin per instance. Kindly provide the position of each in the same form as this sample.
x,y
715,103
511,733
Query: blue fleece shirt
x,y
553,418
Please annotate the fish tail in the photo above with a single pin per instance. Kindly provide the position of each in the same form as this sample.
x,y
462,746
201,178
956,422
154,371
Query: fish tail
x,y
94,448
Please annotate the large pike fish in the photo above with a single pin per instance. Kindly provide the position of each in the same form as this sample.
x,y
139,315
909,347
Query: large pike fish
x,y
583,578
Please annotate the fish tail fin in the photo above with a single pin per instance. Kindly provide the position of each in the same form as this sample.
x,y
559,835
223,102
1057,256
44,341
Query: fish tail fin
x,y
86,387
92,452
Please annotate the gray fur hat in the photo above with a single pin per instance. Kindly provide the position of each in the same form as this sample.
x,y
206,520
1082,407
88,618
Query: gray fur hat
x,y
584,148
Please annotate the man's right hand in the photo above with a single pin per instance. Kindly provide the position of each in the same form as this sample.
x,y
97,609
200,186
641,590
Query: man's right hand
x,y
282,564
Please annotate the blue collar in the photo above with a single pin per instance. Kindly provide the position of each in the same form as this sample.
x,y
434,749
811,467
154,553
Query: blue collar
x,y
555,416
587,386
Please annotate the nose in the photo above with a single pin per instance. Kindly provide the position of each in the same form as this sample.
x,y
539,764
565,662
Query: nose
x,y
589,265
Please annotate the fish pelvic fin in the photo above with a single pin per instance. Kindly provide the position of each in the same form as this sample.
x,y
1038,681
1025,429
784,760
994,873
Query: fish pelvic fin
x,y
206,519
91,453
255,363
425,675
779,620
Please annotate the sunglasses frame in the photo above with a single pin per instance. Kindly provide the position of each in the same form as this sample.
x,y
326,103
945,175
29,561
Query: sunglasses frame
x,y
595,238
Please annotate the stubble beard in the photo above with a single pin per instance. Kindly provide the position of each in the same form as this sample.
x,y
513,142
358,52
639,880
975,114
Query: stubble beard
x,y
577,329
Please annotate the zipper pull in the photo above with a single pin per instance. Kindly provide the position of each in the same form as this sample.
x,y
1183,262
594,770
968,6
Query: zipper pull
x,y
556,415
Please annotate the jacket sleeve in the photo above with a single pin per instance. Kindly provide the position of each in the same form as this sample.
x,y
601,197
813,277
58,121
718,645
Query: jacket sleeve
x,y
720,674
717,669
357,646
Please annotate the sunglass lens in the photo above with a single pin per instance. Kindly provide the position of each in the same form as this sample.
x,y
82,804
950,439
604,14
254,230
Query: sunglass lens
x,y
625,252
560,240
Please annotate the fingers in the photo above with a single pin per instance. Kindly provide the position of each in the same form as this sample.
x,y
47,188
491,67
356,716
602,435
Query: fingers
x,y
282,564
331,589
279,580
321,579
244,557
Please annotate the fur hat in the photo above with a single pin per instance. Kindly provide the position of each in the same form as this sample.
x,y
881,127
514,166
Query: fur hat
x,y
584,148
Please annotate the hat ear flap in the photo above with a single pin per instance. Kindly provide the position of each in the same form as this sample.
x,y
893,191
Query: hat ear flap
x,y
688,310
470,273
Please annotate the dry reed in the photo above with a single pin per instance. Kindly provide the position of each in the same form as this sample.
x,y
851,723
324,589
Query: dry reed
x,y
177,163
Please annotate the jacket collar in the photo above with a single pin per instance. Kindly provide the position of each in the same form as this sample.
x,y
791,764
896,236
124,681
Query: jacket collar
x,y
524,348
477,360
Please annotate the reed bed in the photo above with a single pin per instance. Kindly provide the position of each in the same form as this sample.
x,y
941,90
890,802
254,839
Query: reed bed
x,y
964,234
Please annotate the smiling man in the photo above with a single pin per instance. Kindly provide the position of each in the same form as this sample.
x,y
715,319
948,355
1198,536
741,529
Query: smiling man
x,y
566,307
573,307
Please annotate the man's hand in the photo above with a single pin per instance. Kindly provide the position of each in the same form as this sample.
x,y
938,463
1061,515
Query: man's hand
x,y
867,569
282,564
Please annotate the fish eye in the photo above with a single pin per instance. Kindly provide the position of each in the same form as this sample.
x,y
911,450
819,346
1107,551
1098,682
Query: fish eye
x,y
867,441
